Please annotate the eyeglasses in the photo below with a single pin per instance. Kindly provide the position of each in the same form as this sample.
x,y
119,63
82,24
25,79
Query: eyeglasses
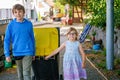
x,y
71,33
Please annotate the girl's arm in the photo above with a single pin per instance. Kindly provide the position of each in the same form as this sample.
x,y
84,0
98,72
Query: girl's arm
x,y
83,55
55,51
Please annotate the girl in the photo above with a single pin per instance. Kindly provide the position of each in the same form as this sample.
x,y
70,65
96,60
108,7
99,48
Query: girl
x,y
74,57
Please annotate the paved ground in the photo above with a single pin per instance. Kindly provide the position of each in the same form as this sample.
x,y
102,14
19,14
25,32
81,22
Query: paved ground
x,y
92,73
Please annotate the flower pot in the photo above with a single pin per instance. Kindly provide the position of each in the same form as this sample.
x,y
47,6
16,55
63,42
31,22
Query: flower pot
x,y
93,38
96,47
70,21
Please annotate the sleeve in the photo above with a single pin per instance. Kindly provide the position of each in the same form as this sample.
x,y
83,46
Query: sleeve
x,y
7,41
33,39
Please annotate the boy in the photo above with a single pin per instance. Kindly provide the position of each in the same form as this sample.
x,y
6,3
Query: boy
x,y
19,32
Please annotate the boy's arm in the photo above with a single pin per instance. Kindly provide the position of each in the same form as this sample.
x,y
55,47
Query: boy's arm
x,y
33,40
55,51
7,41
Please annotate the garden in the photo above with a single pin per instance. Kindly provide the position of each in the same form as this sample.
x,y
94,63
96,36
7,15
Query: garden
x,y
96,16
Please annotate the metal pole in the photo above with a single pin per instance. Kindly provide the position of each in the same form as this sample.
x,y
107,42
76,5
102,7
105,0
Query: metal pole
x,y
110,34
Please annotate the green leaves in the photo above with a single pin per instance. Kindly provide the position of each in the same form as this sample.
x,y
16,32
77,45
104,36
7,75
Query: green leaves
x,y
97,10
117,13
71,2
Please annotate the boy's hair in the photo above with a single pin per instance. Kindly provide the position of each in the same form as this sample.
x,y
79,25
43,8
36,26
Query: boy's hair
x,y
18,7
72,29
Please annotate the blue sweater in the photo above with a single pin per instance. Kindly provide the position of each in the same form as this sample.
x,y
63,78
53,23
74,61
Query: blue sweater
x,y
21,35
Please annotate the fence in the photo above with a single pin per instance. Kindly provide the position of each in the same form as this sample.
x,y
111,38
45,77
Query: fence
x,y
4,21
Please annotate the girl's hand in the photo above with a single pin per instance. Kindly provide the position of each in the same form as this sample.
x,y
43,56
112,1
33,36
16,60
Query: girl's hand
x,y
46,58
8,59
83,65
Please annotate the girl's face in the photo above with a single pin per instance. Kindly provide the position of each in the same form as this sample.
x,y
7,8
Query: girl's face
x,y
19,15
72,36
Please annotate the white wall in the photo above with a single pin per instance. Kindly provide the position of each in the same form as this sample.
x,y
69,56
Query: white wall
x,y
6,6
44,9
4,14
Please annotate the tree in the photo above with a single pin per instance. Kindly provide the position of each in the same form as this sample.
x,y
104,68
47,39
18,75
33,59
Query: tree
x,y
70,2
96,9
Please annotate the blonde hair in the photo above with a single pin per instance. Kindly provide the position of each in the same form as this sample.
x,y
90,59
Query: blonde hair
x,y
18,7
72,29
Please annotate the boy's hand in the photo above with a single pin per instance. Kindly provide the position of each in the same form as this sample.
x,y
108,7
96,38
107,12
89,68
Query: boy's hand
x,y
8,59
33,58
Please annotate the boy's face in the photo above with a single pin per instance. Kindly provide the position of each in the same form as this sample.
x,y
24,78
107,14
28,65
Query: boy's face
x,y
19,14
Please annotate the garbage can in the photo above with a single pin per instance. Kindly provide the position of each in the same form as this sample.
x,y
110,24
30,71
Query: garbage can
x,y
96,47
46,40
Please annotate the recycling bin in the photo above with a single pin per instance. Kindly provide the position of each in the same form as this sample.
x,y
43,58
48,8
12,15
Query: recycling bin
x,y
47,39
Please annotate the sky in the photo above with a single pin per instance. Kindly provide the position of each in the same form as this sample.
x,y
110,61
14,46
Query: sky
x,y
7,3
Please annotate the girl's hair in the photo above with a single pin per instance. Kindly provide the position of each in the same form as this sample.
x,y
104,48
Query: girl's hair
x,y
72,29
18,7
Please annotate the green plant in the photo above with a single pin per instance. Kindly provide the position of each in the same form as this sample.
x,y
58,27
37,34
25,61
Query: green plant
x,y
58,5
117,61
70,13
117,13
97,13
71,2
118,72
95,52
88,37
93,33
104,51
102,65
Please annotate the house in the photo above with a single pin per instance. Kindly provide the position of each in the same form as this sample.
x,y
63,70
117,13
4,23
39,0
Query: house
x,y
35,9
6,8
41,8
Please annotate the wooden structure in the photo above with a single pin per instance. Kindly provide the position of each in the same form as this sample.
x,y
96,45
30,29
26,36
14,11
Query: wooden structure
x,y
78,11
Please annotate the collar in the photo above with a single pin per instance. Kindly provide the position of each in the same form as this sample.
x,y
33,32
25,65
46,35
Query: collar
x,y
20,22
